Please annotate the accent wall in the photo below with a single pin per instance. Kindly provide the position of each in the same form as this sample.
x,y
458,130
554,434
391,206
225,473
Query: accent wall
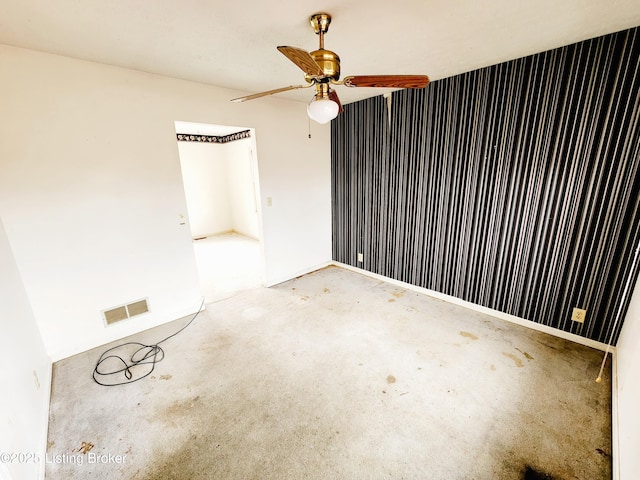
x,y
514,187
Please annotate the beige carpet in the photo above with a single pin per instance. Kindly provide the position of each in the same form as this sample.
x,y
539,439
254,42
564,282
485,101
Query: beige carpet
x,y
336,375
228,263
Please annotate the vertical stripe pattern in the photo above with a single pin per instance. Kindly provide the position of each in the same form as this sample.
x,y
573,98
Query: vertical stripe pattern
x,y
515,187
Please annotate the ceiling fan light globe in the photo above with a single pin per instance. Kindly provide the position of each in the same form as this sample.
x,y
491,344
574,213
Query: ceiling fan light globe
x,y
323,110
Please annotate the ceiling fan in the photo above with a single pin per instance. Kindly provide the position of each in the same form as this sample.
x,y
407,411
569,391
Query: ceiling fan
x,y
322,70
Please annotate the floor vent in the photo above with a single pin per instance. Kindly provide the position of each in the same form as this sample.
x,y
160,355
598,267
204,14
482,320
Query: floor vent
x,y
124,312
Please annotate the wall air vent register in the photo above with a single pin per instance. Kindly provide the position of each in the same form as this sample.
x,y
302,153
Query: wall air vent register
x,y
124,312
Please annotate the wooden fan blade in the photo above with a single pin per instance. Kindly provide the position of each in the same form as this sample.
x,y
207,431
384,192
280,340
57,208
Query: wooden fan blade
x,y
269,92
303,60
334,96
391,81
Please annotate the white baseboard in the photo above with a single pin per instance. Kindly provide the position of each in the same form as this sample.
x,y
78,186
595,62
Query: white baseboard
x,y
478,308
48,383
275,281
121,330
615,447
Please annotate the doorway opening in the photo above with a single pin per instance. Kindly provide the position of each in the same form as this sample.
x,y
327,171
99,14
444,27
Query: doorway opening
x,y
220,175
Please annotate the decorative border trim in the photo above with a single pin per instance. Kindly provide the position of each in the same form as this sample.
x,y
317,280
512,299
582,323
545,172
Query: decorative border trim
x,y
187,137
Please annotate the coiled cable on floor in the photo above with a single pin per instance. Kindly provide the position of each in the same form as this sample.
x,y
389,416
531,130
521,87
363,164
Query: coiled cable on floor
x,y
142,355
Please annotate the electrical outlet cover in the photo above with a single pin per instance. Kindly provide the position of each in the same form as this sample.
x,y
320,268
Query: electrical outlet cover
x,y
578,315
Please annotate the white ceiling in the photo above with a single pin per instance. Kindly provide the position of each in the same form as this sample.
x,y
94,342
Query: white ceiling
x,y
233,43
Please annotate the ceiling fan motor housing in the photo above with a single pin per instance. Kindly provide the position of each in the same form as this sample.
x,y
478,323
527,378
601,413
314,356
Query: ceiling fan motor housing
x,y
322,70
329,62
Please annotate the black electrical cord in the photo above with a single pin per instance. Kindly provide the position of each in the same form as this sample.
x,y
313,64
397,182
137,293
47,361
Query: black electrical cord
x,y
143,355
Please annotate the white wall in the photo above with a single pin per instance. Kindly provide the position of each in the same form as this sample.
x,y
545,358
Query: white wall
x,y
219,187
207,190
24,407
628,362
244,209
92,197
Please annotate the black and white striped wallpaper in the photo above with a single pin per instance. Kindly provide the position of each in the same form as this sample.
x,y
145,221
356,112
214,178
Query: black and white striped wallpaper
x,y
515,187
